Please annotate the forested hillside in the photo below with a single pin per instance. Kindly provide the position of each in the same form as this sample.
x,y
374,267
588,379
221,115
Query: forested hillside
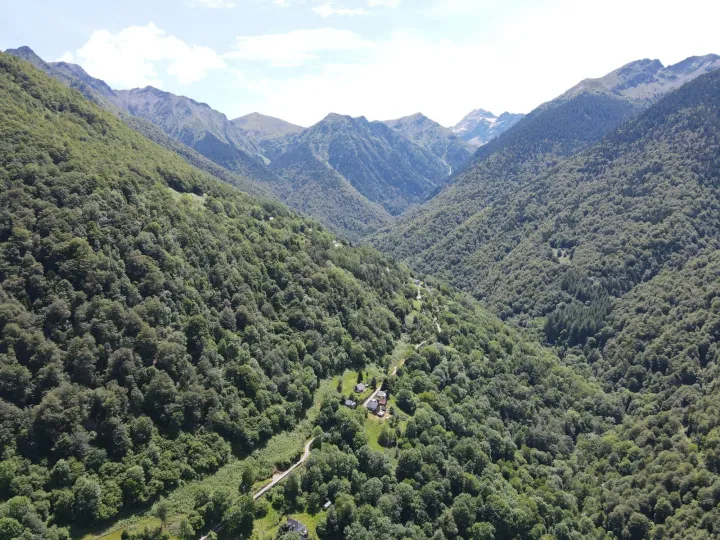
x,y
384,166
439,140
153,320
554,131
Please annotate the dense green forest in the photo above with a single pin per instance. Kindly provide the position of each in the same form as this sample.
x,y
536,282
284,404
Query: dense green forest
x,y
611,256
153,320
157,324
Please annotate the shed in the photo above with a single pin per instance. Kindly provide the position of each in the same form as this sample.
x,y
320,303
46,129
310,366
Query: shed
x,y
360,388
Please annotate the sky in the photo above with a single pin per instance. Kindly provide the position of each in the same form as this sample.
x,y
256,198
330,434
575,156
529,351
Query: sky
x,y
302,59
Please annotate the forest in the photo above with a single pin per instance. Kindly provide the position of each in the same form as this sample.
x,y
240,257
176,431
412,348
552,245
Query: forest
x,y
158,325
154,321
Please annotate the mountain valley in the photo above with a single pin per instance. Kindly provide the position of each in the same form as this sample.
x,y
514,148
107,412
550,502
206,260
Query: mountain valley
x,y
508,328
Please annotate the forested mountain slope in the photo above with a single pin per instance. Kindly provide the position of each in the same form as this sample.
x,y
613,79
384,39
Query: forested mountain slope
x,y
381,164
309,184
554,131
155,323
440,140
643,199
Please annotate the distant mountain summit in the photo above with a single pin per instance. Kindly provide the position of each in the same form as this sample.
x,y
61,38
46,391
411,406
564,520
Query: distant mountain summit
x,y
196,124
379,162
260,127
439,140
647,80
480,126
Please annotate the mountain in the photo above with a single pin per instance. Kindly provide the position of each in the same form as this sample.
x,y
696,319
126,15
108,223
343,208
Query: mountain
x,y
198,126
73,76
259,127
480,126
443,235
158,328
433,137
380,163
194,124
647,80
208,140
310,185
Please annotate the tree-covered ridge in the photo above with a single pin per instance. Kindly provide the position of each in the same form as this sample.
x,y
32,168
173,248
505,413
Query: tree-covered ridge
x,y
152,319
659,352
207,140
551,133
480,444
511,161
643,199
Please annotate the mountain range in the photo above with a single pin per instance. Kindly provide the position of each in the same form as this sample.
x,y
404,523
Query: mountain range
x,y
365,173
544,317
451,223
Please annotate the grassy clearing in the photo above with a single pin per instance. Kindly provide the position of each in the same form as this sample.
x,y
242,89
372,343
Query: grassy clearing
x,y
267,526
372,431
139,525
349,380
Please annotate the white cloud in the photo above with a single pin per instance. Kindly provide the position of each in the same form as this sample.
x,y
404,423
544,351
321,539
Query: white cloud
x,y
67,56
212,4
515,64
454,8
387,3
129,58
296,48
327,10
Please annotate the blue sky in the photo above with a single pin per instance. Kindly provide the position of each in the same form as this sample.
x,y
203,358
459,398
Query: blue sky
x,y
301,59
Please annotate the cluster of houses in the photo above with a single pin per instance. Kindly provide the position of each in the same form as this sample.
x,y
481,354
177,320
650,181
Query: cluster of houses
x,y
377,405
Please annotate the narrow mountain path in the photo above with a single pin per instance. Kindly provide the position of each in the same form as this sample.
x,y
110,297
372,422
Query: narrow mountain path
x,y
279,477
276,479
